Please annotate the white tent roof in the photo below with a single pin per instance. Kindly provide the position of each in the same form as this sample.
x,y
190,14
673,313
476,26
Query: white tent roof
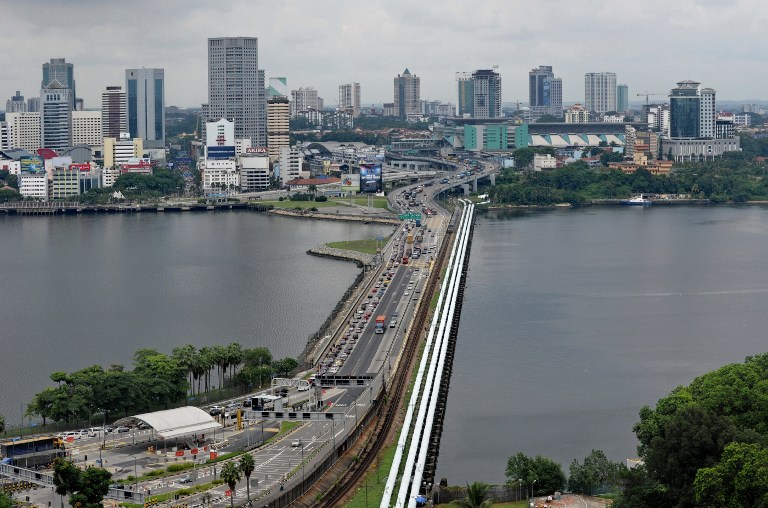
x,y
179,422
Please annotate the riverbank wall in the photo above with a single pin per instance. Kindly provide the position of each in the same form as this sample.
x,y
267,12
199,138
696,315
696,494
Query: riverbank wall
x,y
364,219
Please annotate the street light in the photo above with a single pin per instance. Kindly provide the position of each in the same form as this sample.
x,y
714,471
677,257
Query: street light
x,y
135,475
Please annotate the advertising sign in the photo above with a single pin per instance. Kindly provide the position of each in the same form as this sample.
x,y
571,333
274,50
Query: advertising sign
x,y
80,167
251,149
370,178
350,183
33,164
220,152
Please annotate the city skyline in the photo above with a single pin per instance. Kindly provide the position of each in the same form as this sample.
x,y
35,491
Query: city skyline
x,y
323,49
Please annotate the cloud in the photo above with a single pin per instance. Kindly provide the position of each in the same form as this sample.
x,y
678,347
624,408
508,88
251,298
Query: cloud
x,y
650,45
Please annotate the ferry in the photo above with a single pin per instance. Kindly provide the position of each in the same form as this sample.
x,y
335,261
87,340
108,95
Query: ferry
x,y
637,201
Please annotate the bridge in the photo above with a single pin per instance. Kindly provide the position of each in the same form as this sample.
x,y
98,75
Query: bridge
x,y
417,163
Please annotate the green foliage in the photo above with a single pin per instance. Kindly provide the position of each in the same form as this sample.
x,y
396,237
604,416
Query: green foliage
x,y
321,199
739,479
5,500
230,473
595,475
9,195
85,488
301,196
284,366
541,474
177,468
2,423
476,496
550,119
703,435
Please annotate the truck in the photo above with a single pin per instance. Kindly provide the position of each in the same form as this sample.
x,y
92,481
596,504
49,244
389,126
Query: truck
x,y
380,324
418,222
409,238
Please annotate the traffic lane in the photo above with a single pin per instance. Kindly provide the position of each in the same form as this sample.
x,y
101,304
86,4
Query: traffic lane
x,y
367,345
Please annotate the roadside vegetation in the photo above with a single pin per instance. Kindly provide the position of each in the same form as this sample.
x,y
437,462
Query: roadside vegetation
x,y
157,381
369,246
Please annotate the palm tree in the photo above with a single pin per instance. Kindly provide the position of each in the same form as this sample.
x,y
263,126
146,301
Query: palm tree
x,y
247,465
231,475
476,494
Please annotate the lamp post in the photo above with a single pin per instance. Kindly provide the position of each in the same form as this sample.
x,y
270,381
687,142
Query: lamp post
x,y
135,475
303,476
519,483
533,483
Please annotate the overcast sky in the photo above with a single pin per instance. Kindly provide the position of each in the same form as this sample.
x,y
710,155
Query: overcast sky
x,y
649,44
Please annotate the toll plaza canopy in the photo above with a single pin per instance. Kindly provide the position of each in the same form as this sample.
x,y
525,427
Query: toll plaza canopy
x,y
177,422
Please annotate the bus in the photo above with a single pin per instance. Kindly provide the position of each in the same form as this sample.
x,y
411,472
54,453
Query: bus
x,y
32,453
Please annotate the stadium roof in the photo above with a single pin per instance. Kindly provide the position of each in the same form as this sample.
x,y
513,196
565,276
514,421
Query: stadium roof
x,y
177,422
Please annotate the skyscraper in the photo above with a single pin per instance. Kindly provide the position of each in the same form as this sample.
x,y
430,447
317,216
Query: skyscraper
x,y
407,94
145,94
600,91
622,98
486,94
59,70
114,116
466,93
236,88
349,99
685,110
56,116
16,104
545,93
305,99
707,114
278,125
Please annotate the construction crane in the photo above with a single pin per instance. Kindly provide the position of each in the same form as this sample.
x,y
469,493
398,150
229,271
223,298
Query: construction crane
x,y
648,95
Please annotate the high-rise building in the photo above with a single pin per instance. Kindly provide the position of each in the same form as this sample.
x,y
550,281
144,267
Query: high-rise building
x,y
114,116
708,114
278,87
278,126
305,99
56,116
685,110
349,99
486,94
145,99
466,94
59,70
407,94
545,93
23,130
87,128
600,91
577,114
16,104
622,98
33,105
121,150
236,88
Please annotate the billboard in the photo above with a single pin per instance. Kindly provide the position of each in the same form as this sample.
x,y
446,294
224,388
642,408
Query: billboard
x,y
350,183
220,152
80,167
370,178
32,164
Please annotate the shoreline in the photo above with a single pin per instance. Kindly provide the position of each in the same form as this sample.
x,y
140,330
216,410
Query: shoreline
x,y
617,203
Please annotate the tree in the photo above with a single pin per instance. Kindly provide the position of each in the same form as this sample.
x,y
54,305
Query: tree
x,y
739,479
542,474
231,475
5,500
596,474
284,366
85,489
476,496
2,423
247,465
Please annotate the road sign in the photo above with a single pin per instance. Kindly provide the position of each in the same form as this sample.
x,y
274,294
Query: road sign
x,y
407,216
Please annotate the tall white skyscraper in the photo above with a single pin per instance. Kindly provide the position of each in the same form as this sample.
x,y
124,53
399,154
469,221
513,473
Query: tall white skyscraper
x,y
600,91
145,92
236,87
305,99
349,99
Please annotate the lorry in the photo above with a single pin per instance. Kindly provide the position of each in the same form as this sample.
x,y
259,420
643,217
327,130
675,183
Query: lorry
x,y
409,239
380,324
418,222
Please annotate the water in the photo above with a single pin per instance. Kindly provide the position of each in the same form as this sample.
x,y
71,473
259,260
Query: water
x,y
84,290
575,319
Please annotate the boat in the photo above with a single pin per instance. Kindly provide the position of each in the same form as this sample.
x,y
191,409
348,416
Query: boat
x,y
637,201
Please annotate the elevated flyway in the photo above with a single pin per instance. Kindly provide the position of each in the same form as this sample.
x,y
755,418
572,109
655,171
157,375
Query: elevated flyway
x,y
410,467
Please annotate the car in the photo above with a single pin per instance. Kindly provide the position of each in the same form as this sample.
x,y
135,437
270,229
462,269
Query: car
x,y
185,479
122,428
215,410
295,443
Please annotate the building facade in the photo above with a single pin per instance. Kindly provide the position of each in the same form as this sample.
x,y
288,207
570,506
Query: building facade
x,y
685,110
407,91
486,93
305,99
254,172
278,126
23,130
278,87
123,150
16,104
291,162
545,93
34,185
465,90
114,113
145,100
577,114
236,88
87,128
349,99
56,116
600,91
622,98
59,70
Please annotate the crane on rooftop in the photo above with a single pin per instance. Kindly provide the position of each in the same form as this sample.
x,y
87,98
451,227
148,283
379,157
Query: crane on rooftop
x,y
648,95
